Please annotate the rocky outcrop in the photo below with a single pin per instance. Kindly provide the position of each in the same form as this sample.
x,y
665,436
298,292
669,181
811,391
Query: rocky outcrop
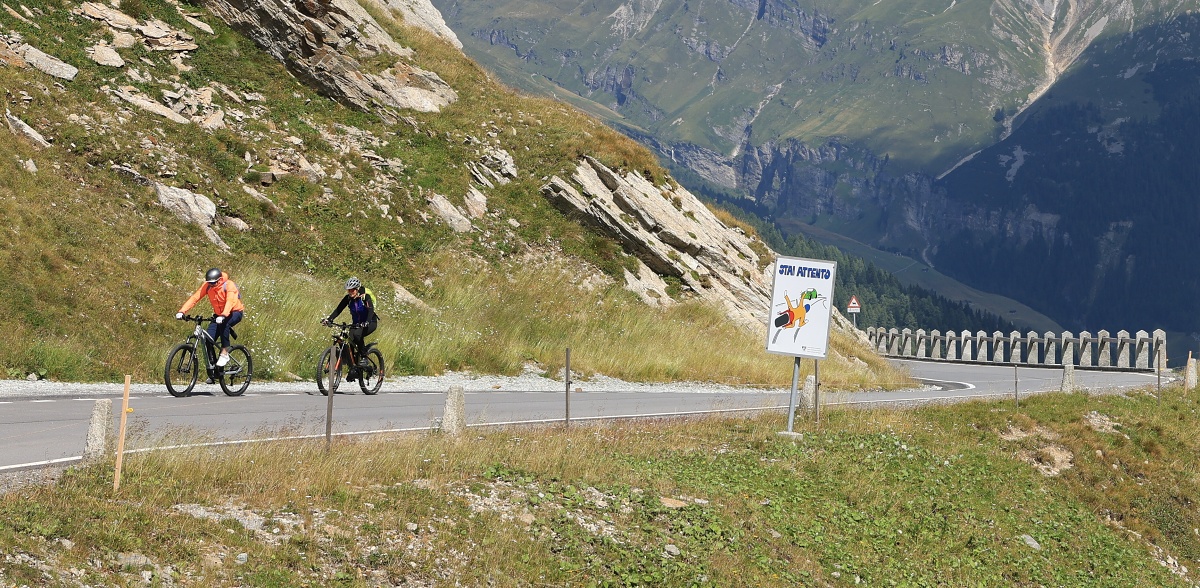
x,y
193,208
315,40
449,213
46,63
673,235
421,13
20,129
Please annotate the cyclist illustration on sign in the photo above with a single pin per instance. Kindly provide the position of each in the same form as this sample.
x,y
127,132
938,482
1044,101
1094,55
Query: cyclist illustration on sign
x,y
795,316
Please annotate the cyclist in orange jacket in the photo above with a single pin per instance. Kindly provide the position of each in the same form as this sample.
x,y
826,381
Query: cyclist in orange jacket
x,y
227,304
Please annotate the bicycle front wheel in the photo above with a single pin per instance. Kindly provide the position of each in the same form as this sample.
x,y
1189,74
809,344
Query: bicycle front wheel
x,y
370,378
236,375
181,371
329,361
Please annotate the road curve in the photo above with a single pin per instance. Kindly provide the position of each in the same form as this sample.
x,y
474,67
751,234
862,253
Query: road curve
x,y
43,423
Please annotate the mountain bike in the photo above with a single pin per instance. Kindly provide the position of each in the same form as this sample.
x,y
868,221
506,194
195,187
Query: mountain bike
x,y
368,369
184,364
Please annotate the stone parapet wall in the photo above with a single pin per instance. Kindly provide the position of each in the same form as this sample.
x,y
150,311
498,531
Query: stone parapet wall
x,y
1141,352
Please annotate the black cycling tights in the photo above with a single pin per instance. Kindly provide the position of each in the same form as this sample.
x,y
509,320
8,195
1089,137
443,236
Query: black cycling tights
x,y
357,336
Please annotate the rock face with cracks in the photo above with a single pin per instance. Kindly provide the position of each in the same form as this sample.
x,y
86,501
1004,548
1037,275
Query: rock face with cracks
x,y
315,39
672,234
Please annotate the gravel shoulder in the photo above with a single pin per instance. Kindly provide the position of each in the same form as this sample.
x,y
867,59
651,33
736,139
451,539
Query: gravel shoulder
x,y
526,382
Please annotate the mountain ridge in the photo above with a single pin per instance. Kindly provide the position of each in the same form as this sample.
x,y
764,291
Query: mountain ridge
x,y
801,157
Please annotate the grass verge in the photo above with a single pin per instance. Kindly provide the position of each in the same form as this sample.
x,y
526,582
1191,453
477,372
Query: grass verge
x,y
1069,490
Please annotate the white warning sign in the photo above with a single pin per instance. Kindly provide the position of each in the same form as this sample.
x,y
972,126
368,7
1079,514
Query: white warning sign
x,y
801,307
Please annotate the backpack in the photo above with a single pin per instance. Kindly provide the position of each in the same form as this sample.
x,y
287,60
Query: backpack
x,y
369,298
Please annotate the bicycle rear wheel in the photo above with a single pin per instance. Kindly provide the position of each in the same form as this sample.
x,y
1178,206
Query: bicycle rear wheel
x,y
323,367
181,370
236,375
371,378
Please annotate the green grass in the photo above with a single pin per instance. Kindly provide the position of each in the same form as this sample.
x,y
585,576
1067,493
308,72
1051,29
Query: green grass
x,y
923,497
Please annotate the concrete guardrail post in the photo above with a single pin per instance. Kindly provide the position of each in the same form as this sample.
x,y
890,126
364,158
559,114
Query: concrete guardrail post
x,y
1160,347
1069,348
454,419
968,346
997,347
1068,381
99,431
1052,345
1141,351
1189,373
1122,349
1085,349
1105,349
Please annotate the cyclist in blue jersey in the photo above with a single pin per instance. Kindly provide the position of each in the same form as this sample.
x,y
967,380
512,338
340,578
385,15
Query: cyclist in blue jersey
x,y
361,302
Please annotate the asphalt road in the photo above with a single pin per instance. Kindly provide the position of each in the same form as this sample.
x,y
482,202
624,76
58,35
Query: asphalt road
x,y
52,428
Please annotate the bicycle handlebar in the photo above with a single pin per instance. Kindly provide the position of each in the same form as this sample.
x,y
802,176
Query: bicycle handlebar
x,y
197,319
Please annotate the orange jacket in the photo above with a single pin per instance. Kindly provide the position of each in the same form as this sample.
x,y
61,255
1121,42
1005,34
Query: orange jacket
x,y
223,295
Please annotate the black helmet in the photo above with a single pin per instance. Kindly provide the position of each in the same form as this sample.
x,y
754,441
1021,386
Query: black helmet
x,y
213,275
353,283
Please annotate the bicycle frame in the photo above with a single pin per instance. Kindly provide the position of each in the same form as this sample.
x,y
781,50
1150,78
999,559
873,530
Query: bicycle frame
x,y
365,366
341,341
182,371
201,336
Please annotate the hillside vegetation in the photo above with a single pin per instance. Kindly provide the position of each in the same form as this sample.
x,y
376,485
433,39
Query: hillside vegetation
x,y
1067,490
95,266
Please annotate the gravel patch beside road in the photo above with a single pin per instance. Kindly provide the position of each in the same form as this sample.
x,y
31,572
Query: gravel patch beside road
x,y
529,381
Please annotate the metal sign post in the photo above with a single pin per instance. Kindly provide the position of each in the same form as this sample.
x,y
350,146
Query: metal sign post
x,y
567,377
1016,384
817,392
333,373
792,398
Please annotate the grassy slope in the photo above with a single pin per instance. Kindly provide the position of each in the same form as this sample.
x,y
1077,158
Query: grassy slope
x,y
95,267
932,496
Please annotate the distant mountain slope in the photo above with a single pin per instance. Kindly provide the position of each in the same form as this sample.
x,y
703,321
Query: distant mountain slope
x,y
1097,189
1033,149
920,82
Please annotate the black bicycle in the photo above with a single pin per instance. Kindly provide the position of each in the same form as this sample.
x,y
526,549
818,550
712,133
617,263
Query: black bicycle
x,y
339,356
184,364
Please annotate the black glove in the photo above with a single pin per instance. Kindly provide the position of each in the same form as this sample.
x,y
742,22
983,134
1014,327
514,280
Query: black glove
x,y
325,322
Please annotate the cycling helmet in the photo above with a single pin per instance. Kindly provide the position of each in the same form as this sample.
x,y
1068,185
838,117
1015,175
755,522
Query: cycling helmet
x,y
353,283
213,275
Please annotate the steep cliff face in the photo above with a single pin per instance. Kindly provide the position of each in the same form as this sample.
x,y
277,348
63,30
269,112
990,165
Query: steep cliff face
x,y
316,40
672,235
